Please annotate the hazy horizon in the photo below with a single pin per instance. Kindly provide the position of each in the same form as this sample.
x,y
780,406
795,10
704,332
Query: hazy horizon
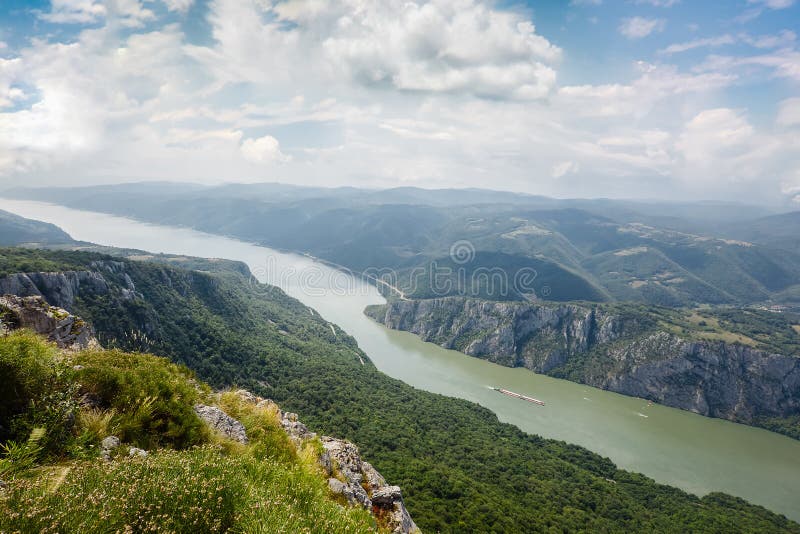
x,y
785,205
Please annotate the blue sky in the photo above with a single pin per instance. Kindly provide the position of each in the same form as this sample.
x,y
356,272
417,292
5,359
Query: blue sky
x,y
619,98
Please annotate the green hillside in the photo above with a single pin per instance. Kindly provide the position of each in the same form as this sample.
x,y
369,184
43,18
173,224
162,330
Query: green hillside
x,y
15,230
191,480
460,469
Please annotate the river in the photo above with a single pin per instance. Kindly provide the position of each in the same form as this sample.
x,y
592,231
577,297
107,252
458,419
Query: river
x,y
696,453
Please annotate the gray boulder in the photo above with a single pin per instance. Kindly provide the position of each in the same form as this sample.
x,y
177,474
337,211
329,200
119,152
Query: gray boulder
x,y
222,422
134,452
108,446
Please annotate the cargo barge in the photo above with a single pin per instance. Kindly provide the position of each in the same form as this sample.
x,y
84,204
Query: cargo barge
x,y
519,396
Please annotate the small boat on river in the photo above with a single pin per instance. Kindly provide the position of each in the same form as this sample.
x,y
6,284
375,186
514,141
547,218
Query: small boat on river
x,y
519,396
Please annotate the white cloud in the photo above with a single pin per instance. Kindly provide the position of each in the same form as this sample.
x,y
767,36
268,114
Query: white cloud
x,y
773,4
129,13
699,43
639,27
784,63
181,6
721,149
263,150
782,38
789,112
564,168
755,12
713,133
659,3
75,11
655,84
436,47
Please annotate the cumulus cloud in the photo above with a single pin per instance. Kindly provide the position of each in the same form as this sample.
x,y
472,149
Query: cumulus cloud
x,y
714,133
721,148
639,27
263,150
437,47
379,93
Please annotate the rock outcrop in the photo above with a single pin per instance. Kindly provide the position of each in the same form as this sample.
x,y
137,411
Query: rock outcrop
x,y
57,324
349,475
606,350
58,288
222,422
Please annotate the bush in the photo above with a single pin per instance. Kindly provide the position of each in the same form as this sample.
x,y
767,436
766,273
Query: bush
x,y
37,391
151,398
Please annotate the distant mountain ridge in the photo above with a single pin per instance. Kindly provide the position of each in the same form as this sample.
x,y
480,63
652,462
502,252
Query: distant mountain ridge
x,y
600,250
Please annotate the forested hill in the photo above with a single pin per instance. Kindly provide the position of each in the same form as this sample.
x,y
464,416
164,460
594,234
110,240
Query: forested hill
x,y
595,250
15,230
461,470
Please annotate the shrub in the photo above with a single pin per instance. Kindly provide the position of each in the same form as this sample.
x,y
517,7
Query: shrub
x,y
37,391
151,398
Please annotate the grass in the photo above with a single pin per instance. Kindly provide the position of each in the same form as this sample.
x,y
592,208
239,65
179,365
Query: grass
x,y
205,489
192,479
727,337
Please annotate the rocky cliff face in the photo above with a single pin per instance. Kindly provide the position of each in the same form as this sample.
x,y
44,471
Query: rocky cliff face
x,y
349,476
608,351
62,288
58,325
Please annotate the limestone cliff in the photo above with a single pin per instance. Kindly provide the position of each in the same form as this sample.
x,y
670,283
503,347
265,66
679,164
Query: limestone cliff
x,y
62,288
591,345
57,324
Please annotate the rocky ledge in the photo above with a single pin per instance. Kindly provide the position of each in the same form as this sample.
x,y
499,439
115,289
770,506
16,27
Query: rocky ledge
x,y
602,349
349,476
58,325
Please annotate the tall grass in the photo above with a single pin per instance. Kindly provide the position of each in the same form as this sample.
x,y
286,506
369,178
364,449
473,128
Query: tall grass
x,y
192,481
199,490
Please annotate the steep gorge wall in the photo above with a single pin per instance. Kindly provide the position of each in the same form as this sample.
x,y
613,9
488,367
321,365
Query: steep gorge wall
x,y
590,345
